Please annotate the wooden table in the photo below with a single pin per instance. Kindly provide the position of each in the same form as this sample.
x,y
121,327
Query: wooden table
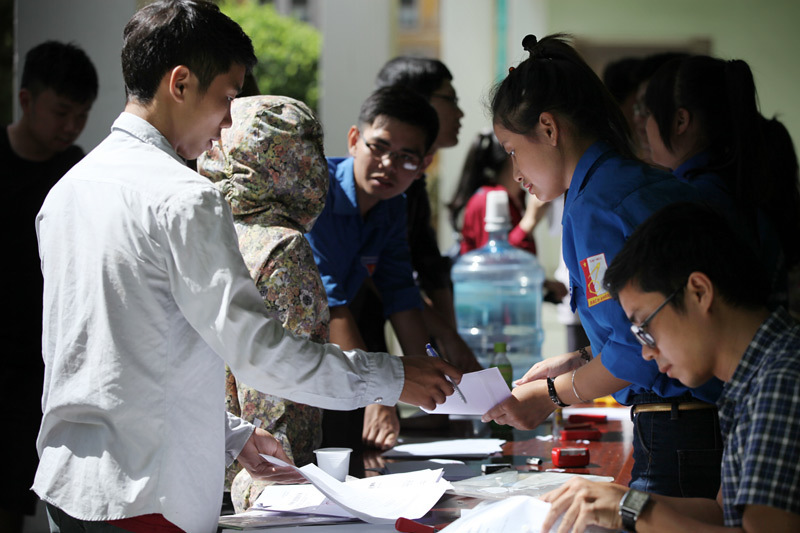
x,y
610,456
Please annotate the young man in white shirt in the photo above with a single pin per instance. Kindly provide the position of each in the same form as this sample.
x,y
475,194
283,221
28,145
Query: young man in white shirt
x,y
146,297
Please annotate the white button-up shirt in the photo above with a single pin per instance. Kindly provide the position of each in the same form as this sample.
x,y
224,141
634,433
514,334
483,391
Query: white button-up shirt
x,y
145,297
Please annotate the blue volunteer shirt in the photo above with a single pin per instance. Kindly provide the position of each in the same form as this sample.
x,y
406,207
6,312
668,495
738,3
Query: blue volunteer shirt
x,y
609,196
349,248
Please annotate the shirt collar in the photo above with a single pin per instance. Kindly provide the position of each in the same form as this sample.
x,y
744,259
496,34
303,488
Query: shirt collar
x,y
581,174
696,161
756,354
346,201
145,132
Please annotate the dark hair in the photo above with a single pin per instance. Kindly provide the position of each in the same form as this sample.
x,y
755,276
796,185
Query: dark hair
x,y
421,74
406,106
169,33
649,65
754,155
482,166
555,78
621,77
683,238
64,68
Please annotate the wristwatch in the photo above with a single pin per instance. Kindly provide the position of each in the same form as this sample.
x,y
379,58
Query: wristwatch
x,y
631,506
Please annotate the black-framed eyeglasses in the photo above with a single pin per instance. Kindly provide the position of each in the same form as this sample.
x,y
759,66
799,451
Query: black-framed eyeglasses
x,y
452,99
408,162
640,330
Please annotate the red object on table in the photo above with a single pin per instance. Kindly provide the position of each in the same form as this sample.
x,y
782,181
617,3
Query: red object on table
x,y
406,525
587,418
570,457
580,434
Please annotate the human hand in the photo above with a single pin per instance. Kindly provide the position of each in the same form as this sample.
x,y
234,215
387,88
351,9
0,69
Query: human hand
x,y
583,504
262,441
381,426
425,384
556,289
552,367
527,407
457,353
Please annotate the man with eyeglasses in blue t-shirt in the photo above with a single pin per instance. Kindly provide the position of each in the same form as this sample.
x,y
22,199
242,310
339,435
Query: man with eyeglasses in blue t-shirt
x,y
361,236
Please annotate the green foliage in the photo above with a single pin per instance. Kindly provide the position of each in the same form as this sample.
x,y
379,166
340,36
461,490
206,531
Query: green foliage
x,y
288,50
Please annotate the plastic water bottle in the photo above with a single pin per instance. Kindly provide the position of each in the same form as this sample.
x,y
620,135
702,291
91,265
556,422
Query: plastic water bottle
x,y
498,294
501,362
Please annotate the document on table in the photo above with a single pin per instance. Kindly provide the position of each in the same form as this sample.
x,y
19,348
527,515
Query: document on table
x,y
447,448
517,513
378,500
482,390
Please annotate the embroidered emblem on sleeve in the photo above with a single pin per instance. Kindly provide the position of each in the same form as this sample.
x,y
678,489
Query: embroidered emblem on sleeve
x,y
594,269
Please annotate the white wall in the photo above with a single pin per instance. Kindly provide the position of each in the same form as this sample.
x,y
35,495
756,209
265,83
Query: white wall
x,y
94,25
356,42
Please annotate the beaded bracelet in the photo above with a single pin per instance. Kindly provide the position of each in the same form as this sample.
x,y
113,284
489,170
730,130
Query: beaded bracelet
x,y
551,390
585,355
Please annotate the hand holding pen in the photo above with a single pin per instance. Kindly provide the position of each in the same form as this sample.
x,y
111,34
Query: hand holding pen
x,y
431,352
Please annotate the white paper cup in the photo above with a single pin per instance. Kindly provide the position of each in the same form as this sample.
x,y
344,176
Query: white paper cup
x,y
334,461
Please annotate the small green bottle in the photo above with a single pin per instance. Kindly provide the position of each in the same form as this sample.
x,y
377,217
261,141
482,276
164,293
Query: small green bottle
x,y
500,360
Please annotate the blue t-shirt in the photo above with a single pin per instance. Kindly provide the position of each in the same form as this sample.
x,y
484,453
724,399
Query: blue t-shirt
x,y
609,196
348,247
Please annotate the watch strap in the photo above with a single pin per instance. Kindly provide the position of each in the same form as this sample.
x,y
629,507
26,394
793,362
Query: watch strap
x,y
631,506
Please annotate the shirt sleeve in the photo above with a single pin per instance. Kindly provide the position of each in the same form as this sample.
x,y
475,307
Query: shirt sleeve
x,y
599,235
237,432
214,291
768,473
393,274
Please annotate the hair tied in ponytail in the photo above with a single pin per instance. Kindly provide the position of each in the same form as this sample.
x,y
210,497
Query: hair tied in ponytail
x,y
528,42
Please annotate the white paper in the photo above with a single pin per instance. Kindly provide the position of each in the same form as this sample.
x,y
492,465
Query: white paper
x,y
379,499
448,448
517,513
482,390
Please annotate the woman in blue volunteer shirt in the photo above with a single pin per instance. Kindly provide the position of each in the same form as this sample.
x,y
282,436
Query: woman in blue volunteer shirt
x,y
565,133
704,124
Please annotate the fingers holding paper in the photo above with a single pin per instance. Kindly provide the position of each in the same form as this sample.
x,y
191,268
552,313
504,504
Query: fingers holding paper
x,y
527,407
262,442
425,382
583,504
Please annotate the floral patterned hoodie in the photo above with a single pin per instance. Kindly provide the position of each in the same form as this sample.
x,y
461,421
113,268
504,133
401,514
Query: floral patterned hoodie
x,y
271,167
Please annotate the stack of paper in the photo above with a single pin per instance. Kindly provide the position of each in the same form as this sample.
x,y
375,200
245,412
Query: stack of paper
x,y
447,448
380,499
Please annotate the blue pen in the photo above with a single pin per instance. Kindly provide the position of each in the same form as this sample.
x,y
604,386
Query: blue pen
x,y
432,353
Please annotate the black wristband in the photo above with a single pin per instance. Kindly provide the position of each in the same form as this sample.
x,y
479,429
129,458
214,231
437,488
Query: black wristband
x,y
585,355
551,390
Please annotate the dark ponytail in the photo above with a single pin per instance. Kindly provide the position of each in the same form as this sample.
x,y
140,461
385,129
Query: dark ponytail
x,y
482,166
555,78
755,156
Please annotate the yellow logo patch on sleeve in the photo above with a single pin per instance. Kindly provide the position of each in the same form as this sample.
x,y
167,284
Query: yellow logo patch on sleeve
x,y
594,269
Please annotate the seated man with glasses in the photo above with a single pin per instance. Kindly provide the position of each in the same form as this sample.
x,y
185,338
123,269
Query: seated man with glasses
x,y
698,305
361,236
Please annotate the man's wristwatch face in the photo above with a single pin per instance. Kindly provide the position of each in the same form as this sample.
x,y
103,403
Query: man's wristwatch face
x,y
631,506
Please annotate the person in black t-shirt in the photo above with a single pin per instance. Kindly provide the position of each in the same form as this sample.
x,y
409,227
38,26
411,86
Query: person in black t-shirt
x,y
57,90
